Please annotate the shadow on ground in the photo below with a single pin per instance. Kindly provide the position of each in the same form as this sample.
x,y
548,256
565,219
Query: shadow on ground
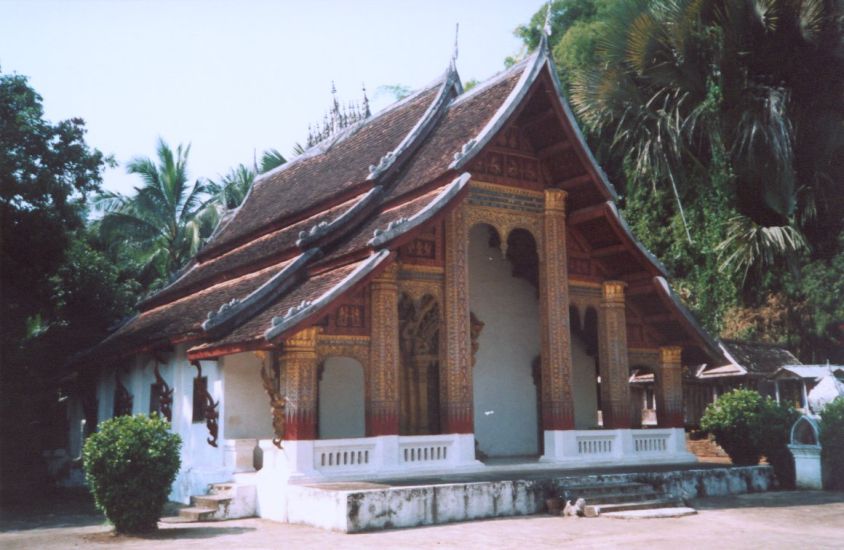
x,y
170,533
778,499
56,509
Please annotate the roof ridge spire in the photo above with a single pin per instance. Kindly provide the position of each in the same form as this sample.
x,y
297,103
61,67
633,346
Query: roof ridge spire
x,y
546,28
366,112
455,51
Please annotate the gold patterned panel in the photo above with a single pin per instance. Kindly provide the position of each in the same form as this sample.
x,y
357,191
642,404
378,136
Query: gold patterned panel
x,y
356,347
612,356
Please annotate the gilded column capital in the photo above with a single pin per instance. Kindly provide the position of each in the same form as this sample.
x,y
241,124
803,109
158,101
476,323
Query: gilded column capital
x,y
303,341
670,356
555,200
388,276
613,291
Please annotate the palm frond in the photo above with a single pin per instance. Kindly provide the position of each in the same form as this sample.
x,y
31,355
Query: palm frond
x,y
750,245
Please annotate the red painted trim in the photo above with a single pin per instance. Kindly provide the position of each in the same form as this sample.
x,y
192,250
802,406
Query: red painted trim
x,y
300,425
229,349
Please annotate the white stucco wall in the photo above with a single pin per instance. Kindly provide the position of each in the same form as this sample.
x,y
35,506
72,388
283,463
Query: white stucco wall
x,y
201,463
341,399
584,386
248,413
505,402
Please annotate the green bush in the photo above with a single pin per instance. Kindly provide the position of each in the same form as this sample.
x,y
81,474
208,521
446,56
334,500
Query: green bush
x,y
130,464
731,419
832,444
748,426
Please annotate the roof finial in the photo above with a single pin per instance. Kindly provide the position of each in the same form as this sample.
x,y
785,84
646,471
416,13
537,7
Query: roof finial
x,y
454,53
546,28
335,110
456,36
366,112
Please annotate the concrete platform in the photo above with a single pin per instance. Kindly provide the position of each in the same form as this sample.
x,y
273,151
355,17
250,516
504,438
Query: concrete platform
x,y
653,513
500,491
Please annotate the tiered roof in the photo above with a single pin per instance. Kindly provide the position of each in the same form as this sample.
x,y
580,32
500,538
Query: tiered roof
x,y
320,226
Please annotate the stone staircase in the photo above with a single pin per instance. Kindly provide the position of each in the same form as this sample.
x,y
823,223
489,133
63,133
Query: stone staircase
x,y
223,501
609,498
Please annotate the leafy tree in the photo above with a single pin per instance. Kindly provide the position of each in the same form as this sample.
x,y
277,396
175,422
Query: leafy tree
x,y
271,159
748,426
231,189
229,192
161,226
46,171
832,444
725,119
397,91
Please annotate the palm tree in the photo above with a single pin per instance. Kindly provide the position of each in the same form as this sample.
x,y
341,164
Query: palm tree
x,y
231,189
686,86
165,222
228,193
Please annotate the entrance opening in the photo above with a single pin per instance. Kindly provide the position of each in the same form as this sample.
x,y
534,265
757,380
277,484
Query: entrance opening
x,y
419,333
584,359
341,399
503,295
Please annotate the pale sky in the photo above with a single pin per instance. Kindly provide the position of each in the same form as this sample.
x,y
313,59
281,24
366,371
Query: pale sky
x,y
234,77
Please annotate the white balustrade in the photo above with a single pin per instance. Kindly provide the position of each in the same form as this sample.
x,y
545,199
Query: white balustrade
x,y
333,455
595,445
646,443
420,450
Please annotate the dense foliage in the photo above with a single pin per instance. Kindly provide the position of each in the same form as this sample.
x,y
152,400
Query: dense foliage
x,y
51,272
66,279
130,464
832,442
722,118
747,426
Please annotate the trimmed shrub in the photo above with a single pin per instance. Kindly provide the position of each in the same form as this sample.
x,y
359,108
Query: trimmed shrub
x,y
832,444
748,426
130,464
731,419
772,434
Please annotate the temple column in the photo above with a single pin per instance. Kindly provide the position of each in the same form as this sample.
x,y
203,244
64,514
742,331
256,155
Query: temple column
x,y
669,388
383,411
299,360
612,357
556,391
457,374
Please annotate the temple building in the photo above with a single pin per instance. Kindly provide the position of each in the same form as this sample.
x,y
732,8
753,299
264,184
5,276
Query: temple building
x,y
433,287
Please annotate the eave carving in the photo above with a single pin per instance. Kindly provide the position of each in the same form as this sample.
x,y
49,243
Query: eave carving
x,y
122,398
209,409
165,393
270,380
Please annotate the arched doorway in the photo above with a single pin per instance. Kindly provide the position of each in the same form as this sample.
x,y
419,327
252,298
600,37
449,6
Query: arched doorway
x,y
419,333
341,399
503,295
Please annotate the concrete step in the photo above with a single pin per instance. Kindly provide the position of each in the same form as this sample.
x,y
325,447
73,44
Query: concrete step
x,y
197,513
595,491
212,501
652,513
612,498
592,511
221,488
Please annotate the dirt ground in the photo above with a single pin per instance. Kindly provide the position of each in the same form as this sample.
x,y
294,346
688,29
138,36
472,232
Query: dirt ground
x,y
808,519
